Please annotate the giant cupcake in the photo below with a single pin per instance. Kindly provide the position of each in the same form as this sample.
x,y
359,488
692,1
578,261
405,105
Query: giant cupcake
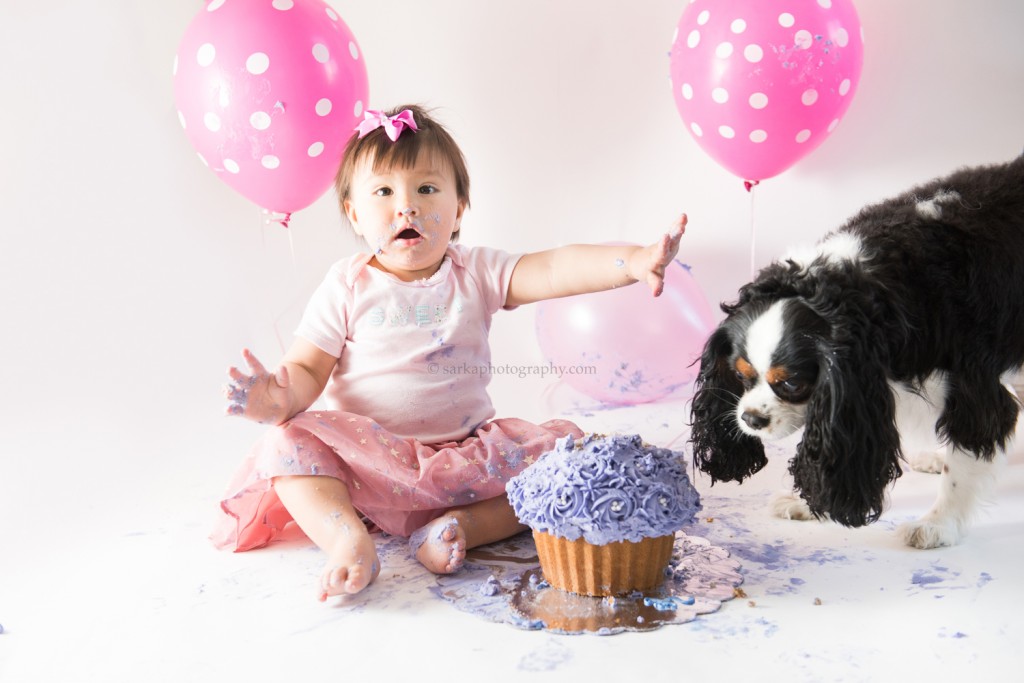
x,y
604,511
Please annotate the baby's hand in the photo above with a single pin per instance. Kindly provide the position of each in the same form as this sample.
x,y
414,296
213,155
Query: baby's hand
x,y
260,396
648,264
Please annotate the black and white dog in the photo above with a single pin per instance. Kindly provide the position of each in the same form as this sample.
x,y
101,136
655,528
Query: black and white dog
x,y
916,300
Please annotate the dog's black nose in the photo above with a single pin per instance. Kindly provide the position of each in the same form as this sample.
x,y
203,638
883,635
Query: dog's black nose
x,y
755,420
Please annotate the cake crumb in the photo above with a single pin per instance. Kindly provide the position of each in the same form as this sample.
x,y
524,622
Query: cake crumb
x,y
817,601
751,603
739,592
709,519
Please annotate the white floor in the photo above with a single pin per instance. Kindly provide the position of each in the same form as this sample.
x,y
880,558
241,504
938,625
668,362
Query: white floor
x,y
134,592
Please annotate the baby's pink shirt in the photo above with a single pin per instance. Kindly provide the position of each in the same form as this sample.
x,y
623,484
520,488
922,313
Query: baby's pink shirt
x,y
414,356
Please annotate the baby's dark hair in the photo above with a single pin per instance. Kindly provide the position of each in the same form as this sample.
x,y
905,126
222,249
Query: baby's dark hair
x,y
430,137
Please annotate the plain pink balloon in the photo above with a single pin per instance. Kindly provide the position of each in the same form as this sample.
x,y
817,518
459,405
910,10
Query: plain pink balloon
x,y
761,84
268,92
624,346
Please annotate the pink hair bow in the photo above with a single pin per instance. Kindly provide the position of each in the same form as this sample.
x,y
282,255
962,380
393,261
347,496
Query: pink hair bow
x,y
393,125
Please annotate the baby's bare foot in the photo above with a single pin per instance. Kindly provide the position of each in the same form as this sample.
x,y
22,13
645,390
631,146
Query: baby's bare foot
x,y
351,566
440,545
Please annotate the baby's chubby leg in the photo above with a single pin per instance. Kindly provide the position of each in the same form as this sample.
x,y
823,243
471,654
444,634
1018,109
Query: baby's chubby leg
x,y
440,545
323,510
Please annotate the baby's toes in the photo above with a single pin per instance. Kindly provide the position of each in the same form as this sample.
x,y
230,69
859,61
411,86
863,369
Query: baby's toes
x,y
457,556
333,581
360,576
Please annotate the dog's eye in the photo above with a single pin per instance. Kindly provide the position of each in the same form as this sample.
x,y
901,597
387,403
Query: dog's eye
x,y
792,389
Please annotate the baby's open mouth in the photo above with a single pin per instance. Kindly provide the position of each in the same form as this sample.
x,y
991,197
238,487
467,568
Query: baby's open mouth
x,y
407,234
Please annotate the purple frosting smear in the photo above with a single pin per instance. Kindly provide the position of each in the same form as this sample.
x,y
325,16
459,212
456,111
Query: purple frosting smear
x,y
605,489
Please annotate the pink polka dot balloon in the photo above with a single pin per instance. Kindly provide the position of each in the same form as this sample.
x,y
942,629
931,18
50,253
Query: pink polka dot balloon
x,y
624,346
761,84
268,92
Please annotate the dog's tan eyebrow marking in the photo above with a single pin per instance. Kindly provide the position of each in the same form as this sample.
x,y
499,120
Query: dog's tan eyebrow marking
x,y
776,374
745,368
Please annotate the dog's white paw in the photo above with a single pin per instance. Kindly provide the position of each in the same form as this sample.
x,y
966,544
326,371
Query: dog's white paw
x,y
789,505
930,532
928,461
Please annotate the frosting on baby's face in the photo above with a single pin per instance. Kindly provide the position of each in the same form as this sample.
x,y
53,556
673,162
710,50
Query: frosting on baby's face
x,y
605,489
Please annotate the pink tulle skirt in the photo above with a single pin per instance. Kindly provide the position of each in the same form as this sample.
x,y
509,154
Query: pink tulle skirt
x,y
397,483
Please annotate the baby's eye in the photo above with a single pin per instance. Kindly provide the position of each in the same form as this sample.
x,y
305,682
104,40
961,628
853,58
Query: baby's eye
x,y
383,191
428,189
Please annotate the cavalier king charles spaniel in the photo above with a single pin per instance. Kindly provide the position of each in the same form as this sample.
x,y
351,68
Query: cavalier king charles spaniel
x,y
915,305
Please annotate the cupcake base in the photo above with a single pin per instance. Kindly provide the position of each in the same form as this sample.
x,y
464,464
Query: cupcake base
x,y
602,570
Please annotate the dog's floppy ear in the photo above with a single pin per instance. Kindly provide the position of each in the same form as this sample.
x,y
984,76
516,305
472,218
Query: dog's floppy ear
x,y
850,450
720,449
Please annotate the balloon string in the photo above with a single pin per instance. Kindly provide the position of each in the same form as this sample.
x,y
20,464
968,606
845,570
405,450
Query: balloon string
x,y
291,248
266,218
750,185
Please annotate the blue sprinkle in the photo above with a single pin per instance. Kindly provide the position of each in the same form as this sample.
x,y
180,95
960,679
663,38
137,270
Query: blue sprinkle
x,y
668,604
662,605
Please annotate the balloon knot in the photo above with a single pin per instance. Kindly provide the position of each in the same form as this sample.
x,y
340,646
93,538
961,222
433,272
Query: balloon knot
x,y
750,184
275,217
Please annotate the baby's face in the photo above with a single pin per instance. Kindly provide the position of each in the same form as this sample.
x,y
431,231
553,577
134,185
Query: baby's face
x,y
406,215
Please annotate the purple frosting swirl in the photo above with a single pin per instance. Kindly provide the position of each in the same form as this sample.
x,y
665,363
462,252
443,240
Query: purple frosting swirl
x,y
605,489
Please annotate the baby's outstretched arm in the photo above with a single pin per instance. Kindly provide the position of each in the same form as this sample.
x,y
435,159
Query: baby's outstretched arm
x,y
583,268
274,397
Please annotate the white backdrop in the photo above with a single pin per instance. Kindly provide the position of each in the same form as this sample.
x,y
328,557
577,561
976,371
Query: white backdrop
x,y
130,276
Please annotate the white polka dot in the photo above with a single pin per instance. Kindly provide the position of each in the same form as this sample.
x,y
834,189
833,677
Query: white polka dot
x,y
206,54
687,91
323,107
321,53
357,109
803,39
270,161
703,17
720,95
211,121
841,37
753,53
726,132
257,63
215,5
231,166
758,136
738,26
174,69
696,130
809,96
202,159
331,14
316,149
181,120
844,87
832,126
283,5
786,20
803,136
353,50
693,40
758,100
827,4
723,51
260,120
